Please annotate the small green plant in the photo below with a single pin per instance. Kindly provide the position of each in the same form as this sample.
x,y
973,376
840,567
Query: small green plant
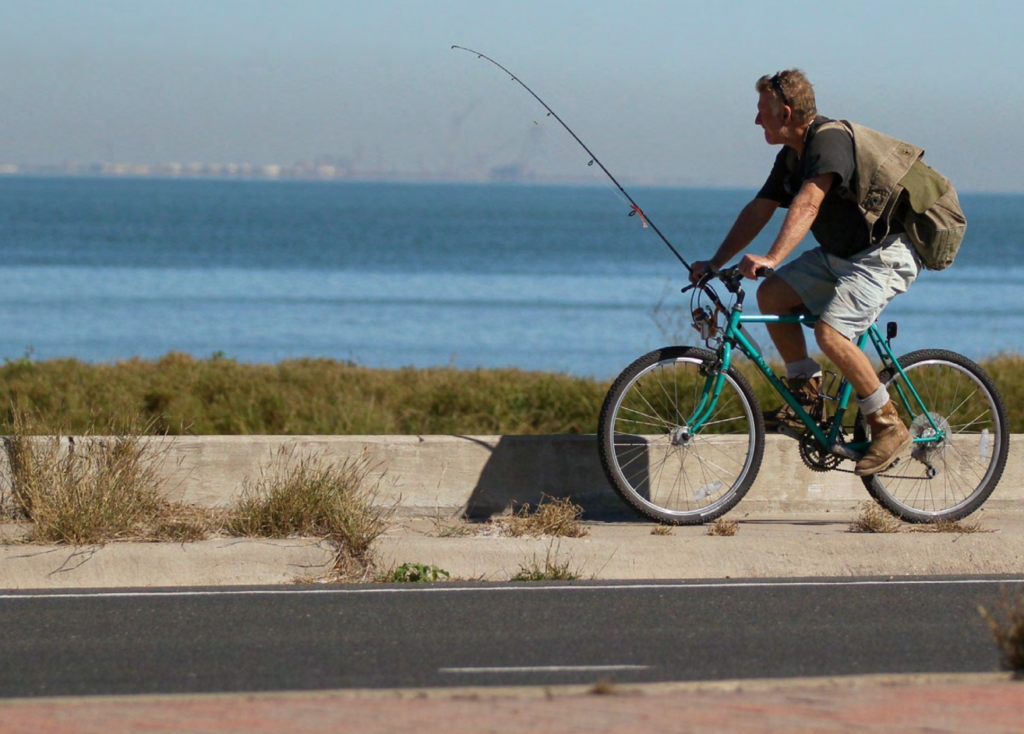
x,y
874,518
724,528
1006,624
413,573
307,495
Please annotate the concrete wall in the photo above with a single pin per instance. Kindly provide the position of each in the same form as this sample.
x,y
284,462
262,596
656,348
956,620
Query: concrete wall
x,y
485,475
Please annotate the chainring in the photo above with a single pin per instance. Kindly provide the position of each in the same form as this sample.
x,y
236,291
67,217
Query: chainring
x,y
816,457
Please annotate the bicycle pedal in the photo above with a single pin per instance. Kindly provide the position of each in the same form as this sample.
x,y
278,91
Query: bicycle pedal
x,y
847,453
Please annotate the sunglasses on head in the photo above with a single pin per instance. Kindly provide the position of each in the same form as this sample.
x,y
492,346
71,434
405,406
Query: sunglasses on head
x,y
776,84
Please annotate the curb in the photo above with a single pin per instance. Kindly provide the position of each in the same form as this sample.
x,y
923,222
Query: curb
x,y
483,476
793,523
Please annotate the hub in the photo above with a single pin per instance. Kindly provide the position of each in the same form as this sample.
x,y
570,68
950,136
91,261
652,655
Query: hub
x,y
680,436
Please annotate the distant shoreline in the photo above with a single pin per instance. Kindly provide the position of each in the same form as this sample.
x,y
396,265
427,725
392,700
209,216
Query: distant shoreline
x,y
405,179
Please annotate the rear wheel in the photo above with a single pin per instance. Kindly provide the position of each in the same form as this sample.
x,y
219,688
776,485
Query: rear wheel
x,y
649,454
951,478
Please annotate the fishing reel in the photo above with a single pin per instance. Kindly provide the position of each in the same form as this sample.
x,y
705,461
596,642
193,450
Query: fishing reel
x,y
707,313
708,322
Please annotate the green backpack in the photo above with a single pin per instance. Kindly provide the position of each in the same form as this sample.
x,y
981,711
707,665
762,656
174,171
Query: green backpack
x,y
892,176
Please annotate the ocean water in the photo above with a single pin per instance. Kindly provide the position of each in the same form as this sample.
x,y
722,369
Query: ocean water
x,y
393,275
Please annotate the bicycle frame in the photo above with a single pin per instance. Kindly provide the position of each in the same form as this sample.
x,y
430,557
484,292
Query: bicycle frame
x,y
734,339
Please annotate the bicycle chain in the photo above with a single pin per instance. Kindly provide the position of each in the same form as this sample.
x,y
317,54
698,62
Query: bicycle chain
x,y
823,467
811,454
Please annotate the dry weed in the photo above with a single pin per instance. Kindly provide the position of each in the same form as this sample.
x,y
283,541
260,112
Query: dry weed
x,y
661,530
450,527
604,687
1006,623
186,523
875,519
554,517
723,527
84,490
309,496
959,527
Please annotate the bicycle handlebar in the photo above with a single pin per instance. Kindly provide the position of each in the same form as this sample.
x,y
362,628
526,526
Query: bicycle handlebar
x,y
730,277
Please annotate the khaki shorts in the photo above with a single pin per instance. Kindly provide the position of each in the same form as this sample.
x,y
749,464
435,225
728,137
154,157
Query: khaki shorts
x,y
849,294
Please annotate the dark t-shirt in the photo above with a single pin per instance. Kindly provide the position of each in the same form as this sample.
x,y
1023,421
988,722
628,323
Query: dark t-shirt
x,y
839,228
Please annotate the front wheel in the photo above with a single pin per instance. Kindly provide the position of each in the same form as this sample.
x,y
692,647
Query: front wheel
x,y
655,461
950,478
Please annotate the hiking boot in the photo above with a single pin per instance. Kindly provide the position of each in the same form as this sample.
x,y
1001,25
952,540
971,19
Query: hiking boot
x,y
888,438
807,391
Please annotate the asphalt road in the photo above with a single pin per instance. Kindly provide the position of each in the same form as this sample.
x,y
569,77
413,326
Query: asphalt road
x,y
305,638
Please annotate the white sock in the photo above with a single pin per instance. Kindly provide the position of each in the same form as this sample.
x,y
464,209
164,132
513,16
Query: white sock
x,y
873,402
805,368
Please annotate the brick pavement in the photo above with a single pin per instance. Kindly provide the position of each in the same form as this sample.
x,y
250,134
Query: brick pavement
x,y
992,704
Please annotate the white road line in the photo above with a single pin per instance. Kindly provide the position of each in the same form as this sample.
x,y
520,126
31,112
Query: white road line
x,y
531,588
546,669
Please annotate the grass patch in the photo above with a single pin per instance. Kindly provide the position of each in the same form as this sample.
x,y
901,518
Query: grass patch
x,y
1006,624
220,396
724,528
9,509
553,517
88,489
551,569
308,496
177,523
874,518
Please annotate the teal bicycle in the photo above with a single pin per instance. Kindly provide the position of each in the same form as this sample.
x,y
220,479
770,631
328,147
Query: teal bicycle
x,y
681,435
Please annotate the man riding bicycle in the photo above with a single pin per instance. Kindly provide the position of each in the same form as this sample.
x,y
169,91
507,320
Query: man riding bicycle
x,y
847,280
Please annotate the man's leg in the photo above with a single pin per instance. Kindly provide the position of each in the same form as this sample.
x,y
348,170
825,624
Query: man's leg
x,y
888,434
848,358
776,296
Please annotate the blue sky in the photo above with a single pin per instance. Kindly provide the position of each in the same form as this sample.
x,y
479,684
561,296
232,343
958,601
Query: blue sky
x,y
661,91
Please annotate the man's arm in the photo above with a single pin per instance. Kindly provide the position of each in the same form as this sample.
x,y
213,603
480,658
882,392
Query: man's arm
x,y
802,213
749,223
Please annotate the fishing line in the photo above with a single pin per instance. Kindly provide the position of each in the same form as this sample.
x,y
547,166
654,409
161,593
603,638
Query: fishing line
x,y
644,219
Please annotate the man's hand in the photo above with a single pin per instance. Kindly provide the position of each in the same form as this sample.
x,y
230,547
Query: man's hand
x,y
699,268
750,265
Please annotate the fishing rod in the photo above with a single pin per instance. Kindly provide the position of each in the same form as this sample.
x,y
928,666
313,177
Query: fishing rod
x,y
593,158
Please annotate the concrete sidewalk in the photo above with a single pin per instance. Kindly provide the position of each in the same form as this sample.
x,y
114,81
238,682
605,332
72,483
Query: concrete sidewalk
x,y
765,546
